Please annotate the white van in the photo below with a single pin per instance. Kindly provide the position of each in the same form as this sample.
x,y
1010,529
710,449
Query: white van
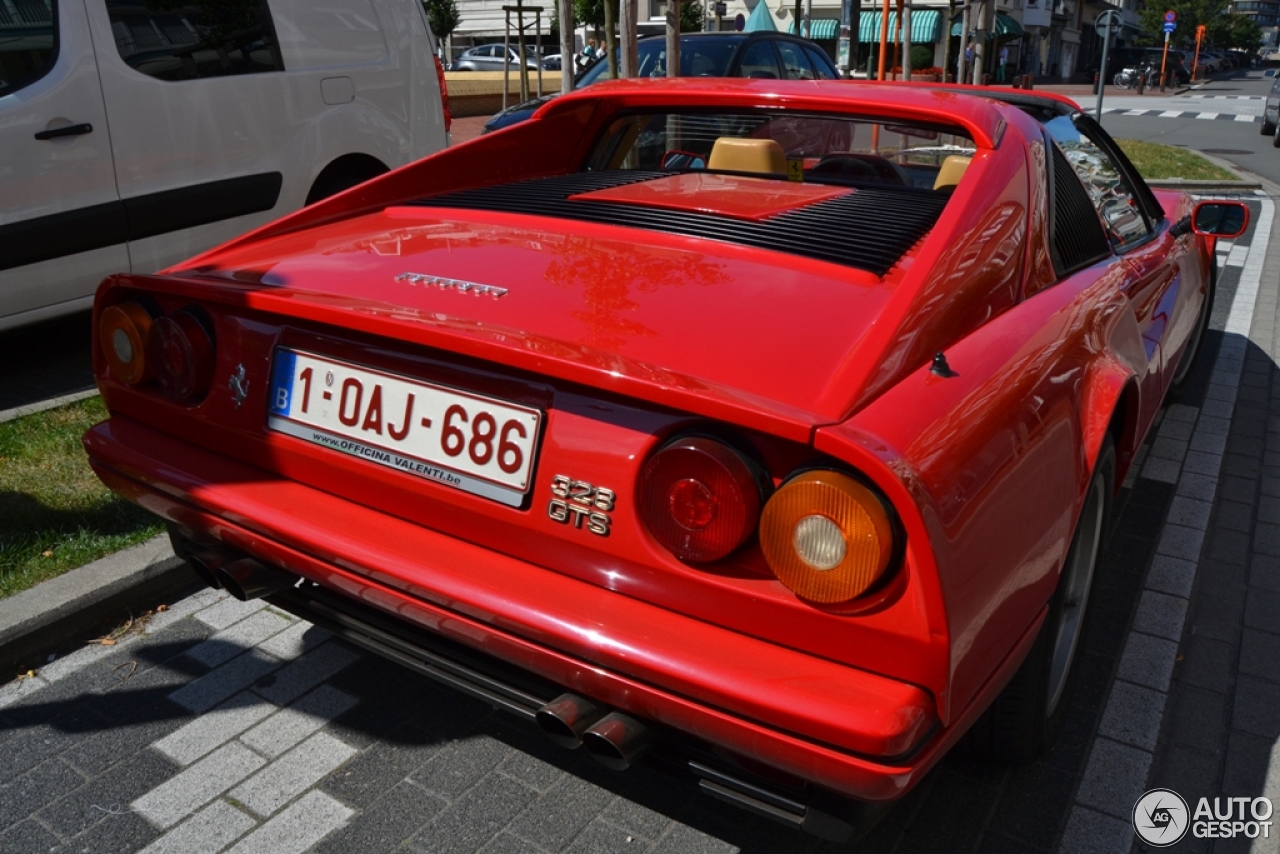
x,y
134,135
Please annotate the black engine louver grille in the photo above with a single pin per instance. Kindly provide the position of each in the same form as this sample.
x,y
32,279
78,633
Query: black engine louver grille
x,y
870,228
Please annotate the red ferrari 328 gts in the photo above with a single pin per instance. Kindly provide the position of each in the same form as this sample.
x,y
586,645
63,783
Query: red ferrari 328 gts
x,y
767,430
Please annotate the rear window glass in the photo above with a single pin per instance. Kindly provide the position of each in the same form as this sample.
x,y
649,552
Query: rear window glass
x,y
27,43
833,149
188,41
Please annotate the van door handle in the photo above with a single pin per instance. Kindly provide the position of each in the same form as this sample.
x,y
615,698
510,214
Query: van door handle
x,y
70,130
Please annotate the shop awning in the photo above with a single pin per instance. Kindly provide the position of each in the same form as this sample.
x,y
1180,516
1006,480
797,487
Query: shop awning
x,y
926,26
1005,26
820,28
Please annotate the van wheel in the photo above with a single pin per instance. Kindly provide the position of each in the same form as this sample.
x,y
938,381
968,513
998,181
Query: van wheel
x,y
343,174
1025,719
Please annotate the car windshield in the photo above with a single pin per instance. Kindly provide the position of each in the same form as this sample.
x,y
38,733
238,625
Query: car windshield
x,y
699,57
824,148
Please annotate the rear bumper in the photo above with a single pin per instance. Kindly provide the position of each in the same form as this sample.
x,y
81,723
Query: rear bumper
x,y
843,729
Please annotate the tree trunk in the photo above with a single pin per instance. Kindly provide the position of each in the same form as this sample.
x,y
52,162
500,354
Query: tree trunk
x,y
630,56
611,37
565,20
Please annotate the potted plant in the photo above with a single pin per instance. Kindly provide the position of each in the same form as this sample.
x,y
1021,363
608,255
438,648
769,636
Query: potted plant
x,y
932,74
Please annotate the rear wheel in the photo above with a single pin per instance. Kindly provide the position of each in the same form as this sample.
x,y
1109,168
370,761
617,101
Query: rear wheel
x,y
1275,138
1268,128
343,174
1027,716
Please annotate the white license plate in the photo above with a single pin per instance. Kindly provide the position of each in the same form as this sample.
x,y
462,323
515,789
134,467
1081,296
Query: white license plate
x,y
467,441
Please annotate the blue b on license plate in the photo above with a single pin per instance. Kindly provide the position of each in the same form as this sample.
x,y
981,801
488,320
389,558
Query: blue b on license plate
x,y
468,441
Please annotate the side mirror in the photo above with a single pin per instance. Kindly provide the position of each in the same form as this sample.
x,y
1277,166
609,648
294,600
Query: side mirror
x,y
1220,219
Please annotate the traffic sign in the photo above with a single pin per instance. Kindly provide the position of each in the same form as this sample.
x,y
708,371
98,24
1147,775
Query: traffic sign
x,y
1170,26
1107,21
1170,16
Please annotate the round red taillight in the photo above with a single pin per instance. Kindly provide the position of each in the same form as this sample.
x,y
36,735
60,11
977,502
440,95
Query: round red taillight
x,y
180,355
699,498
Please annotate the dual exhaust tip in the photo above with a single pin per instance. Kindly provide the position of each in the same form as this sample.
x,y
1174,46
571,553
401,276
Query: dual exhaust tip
x,y
225,569
613,739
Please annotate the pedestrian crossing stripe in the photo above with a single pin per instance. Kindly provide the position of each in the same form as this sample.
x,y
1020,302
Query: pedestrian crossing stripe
x,y
1183,114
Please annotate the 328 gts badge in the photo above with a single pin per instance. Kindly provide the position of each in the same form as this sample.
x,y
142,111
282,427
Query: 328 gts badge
x,y
580,504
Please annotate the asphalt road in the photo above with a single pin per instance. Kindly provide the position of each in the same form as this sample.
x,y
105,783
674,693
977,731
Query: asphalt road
x,y
232,727
1238,143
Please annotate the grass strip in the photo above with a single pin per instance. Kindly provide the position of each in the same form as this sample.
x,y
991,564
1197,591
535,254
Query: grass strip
x,y
55,514
1156,161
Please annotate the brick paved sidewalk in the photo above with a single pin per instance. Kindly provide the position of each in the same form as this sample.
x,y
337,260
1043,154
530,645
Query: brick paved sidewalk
x,y
1195,707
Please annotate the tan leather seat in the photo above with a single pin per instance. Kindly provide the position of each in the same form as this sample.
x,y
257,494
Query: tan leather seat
x,y
953,169
764,156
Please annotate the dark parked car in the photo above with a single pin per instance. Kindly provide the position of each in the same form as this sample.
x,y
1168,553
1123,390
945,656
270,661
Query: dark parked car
x,y
1271,110
1177,68
771,55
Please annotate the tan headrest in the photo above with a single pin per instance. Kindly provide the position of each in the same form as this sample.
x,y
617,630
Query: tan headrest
x,y
764,156
952,171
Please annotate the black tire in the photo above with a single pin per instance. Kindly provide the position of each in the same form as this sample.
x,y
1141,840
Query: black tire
x,y
1027,716
1186,364
1275,138
1268,128
343,174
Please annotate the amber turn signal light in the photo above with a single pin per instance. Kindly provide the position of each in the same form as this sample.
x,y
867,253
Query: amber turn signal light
x,y
826,537
123,331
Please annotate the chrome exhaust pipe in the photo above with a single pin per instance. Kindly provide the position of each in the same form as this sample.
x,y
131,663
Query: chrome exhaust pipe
x,y
206,566
617,740
203,557
567,717
248,579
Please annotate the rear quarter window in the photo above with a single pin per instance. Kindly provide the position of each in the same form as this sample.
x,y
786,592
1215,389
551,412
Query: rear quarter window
x,y
175,41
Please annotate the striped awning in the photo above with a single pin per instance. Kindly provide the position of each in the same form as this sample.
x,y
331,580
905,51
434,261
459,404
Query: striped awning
x,y
1005,26
926,26
819,28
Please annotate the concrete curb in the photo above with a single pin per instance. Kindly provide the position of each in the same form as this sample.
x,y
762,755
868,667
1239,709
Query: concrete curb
x,y
42,405
1218,188
68,607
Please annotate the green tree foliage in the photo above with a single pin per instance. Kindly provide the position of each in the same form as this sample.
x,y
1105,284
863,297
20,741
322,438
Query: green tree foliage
x,y
443,16
592,12
1223,30
1236,31
691,19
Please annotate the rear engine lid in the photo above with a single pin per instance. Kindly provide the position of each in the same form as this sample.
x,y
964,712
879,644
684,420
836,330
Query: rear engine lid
x,y
592,302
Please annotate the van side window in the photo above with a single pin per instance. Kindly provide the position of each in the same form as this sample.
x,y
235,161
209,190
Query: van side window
x,y
188,41
28,42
